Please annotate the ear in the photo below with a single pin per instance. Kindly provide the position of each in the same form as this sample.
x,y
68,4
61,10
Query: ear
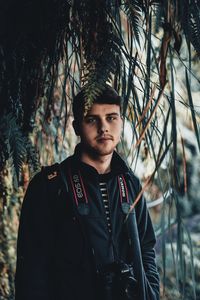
x,y
76,127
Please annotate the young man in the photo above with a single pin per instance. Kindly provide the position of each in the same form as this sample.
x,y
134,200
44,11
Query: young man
x,y
75,239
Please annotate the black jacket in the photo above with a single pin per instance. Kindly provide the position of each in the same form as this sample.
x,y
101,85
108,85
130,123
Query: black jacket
x,y
59,249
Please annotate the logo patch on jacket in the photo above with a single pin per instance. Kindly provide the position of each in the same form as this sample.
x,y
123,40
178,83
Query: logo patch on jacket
x,y
52,175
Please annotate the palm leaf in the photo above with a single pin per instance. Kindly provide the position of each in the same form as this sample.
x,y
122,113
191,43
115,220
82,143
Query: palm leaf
x,y
13,143
192,109
194,26
132,8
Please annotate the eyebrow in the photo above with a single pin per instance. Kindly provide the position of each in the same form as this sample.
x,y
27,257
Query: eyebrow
x,y
107,115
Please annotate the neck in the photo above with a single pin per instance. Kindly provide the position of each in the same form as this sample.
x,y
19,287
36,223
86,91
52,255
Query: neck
x,y
101,163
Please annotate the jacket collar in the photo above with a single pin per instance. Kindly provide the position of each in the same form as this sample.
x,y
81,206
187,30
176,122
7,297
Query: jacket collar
x,y
118,165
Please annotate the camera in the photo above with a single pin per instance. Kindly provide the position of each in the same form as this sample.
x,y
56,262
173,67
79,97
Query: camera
x,y
118,281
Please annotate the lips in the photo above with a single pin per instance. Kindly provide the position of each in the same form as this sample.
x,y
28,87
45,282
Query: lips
x,y
104,138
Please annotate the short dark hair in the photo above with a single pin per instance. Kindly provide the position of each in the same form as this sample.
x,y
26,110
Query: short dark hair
x,y
108,95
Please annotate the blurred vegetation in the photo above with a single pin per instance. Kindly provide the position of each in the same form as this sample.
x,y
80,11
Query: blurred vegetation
x,y
149,52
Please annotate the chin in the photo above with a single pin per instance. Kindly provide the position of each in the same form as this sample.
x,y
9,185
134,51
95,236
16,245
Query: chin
x,y
100,150
104,151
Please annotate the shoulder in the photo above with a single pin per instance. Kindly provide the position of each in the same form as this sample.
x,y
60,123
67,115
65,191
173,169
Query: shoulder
x,y
50,172
36,181
41,189
42,180
46,172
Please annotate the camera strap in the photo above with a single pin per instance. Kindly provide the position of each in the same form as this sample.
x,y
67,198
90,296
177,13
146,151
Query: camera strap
x,y
80,194
123,192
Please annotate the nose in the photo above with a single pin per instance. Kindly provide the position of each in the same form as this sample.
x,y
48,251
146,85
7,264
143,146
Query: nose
x,y
102,128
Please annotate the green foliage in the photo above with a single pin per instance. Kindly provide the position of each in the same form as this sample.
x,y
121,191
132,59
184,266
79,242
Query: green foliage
x,y
133,11
13,146
192,109
189,17
43,35
16,148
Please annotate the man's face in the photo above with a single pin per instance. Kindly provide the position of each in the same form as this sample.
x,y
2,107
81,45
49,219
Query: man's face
x,y
100,129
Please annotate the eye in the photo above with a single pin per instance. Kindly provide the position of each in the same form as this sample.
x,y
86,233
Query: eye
x,y
90,120
111,118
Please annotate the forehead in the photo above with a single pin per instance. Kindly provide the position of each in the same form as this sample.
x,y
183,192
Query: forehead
x,y
103,109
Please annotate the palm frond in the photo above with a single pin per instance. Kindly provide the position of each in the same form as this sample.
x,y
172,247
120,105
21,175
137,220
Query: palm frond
x,y
13,143
174,123
189,18
32,157
132,9
99,44
192,109
100,70
194,26
157,16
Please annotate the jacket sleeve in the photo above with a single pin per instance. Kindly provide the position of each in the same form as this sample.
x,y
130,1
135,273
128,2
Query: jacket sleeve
x,y
146,240
34,255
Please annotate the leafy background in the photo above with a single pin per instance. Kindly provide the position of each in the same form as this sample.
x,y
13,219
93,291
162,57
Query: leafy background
x,y
149,52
